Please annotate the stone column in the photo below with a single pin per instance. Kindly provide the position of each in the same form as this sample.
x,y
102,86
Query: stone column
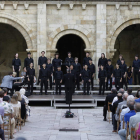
x,y
100,32
41,29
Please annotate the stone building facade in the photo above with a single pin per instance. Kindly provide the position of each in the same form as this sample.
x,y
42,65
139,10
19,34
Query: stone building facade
x,y
43,23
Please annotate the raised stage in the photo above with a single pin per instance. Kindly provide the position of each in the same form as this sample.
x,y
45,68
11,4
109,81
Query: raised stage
x,y
77,100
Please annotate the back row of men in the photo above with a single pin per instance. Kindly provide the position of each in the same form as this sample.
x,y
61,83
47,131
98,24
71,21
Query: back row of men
x,y
106,71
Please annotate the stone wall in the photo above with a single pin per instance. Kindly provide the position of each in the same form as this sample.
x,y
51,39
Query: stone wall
x,y
99,24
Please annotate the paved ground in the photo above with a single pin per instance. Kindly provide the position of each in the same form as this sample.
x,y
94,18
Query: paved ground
x,y
45,122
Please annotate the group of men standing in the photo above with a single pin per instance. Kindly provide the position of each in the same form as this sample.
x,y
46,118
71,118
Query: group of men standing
x,y
48,69
106,72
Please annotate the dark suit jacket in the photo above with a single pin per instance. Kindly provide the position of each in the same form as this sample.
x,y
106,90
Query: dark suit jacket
x,y
109,98
115,105
68,80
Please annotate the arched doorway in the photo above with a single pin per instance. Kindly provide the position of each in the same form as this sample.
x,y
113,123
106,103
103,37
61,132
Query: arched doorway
x,y
11,41
71,43
128,44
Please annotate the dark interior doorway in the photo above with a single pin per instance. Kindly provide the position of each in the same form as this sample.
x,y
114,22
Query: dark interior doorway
x,y
128,44
11,42
71,43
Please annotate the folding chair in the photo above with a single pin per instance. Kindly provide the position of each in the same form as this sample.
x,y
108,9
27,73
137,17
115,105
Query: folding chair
x,y
123,123
118,121
127,130
7,127
132,132
138,137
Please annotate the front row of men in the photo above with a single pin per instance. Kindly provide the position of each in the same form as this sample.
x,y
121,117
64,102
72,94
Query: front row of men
x,y
87,76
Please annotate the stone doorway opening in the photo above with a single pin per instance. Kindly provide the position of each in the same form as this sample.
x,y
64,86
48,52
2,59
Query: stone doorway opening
x,y
128,44
11,42
71,43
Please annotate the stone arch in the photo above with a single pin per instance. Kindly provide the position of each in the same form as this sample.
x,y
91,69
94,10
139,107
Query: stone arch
x,y
21,27
118,27
71,29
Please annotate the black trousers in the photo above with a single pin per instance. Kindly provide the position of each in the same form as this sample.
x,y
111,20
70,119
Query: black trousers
x,y
102,83
136,74
50,79
105,111
117,83
58,86
86,85
30,84
2,134
68,91
73,88
124,82
45,82
17,71
109,78
77,80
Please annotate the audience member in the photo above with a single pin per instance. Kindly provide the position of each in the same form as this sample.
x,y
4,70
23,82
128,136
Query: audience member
x,y
8,109
115,104
22,101
126,110
136,118
5,91
1,100
1,130
121,90
138,100
109,98
137,94
137,129
129,91
122,132
22,93
121,104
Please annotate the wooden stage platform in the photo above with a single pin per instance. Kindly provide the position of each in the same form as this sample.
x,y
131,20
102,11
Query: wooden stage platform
x,y
77,100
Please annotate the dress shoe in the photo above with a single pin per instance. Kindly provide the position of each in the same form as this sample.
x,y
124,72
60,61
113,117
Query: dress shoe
x,y
114,131
104,119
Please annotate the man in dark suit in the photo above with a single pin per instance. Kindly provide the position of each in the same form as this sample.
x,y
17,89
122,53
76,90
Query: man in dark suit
x,y
49,67
69,60
68,81
109,98
72,71
115,105
86,79
78,69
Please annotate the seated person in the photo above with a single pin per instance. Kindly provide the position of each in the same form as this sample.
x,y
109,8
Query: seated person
x,y
122,132
136,118
109,98
121,90
121,104
137,129
8,109
1,130
22,93
126,110
138,100
5,91
115,105
22,101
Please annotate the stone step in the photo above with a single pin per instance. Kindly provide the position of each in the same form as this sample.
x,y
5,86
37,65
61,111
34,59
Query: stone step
x,y
77,91
75,105
96,86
